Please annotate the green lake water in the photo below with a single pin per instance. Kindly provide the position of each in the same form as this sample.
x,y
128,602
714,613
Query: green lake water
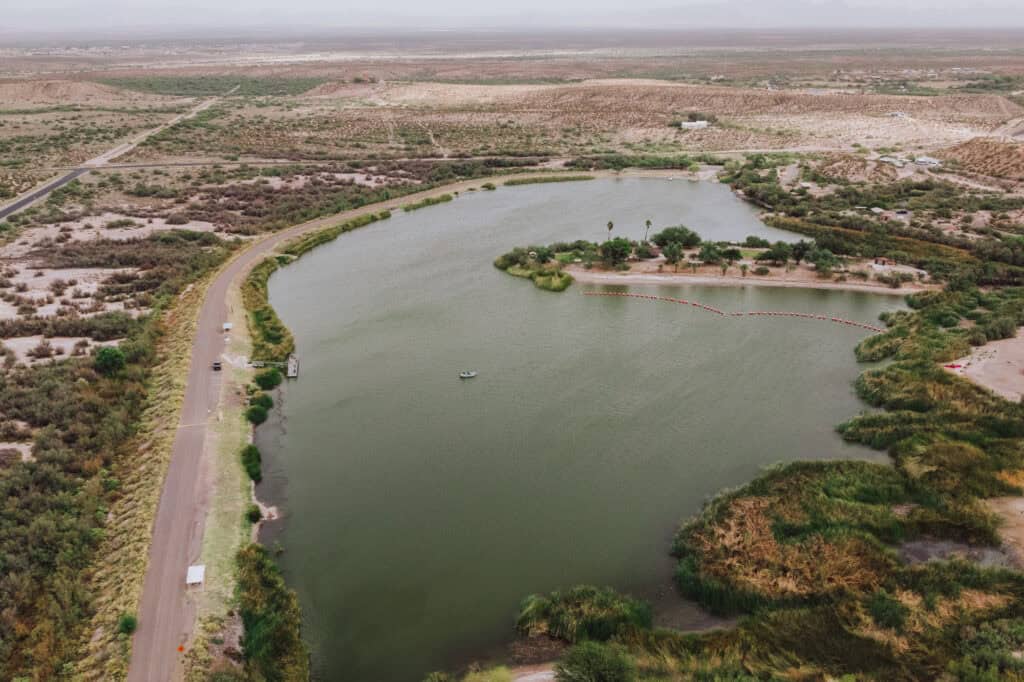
x,y
419,508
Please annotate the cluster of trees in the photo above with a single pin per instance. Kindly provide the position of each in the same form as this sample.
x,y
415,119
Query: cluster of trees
x,y
833,218
620,161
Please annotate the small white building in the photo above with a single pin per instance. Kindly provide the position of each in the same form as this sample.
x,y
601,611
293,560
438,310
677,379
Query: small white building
x,y
694,125
893,161
927,161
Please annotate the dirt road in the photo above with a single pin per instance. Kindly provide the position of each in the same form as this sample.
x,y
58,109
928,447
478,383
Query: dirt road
x,y
166,614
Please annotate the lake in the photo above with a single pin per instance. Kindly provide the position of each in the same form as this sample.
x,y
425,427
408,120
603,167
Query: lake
x,y
419,509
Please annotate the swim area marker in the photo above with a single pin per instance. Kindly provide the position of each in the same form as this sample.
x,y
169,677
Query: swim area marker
x,y
749,313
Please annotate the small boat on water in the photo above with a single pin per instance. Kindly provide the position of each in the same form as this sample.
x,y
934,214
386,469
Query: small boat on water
x,y
468,374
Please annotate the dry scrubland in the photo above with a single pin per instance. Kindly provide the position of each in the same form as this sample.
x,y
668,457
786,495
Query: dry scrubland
x,y
398,120
118,257
995,158
53,123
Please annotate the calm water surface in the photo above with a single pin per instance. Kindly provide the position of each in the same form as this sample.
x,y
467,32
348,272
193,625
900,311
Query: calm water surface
x,y
419,509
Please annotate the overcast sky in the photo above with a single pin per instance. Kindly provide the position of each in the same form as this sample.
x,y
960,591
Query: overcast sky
x,y
68,16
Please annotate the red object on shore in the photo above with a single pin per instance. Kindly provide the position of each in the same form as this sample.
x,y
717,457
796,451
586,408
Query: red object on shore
x,y
951,366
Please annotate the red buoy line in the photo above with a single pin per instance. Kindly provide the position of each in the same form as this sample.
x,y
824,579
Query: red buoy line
x,y
716,311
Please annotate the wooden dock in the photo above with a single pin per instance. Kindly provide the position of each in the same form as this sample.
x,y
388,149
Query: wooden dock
x,y
292,371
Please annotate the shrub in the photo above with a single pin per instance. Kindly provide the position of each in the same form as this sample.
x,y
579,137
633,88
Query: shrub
x,y
680,234
252,514
263,400
429,201
268,379
127,623
109,360
584,612
644,251
272,641
256,414
251,461
594,662
762,271
887,611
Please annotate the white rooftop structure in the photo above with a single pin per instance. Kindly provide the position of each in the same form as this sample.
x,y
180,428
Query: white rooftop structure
x,y
694,125
195,575
927,161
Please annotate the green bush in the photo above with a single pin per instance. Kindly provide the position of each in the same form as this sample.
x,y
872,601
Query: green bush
x,y
127,623
257,414
680,234
252,514
595,662
262,400
268,378
887,611
251,461
109,360
272,639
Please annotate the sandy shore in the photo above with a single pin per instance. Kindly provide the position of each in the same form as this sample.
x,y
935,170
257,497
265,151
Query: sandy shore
x,y
998,366
598,277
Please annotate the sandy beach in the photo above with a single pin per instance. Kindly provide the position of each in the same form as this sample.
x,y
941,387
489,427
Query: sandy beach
x,y
998,366
585,276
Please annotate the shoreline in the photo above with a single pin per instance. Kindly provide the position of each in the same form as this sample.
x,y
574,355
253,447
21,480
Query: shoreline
x,y
997,366
274,243
584,276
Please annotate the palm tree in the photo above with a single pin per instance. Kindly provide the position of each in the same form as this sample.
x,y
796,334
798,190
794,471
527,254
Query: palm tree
x,y
647,228
743,268
725,268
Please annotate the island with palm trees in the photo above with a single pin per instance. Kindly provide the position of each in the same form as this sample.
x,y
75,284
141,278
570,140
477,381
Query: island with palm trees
x,y
679,255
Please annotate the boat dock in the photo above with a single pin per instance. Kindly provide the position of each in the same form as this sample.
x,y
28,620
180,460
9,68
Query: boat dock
x,y
292,371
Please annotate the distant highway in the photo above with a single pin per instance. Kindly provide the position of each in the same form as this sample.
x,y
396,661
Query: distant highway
x,y
31,198
100,161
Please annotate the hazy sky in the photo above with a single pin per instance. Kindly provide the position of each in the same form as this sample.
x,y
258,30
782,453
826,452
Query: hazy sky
x,y
46,16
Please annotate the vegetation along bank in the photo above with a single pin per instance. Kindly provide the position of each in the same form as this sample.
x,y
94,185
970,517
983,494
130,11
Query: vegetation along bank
x,y
811,553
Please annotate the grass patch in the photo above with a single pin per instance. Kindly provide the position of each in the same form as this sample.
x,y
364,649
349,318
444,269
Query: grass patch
x,y
429,201
272,643
210,86
546,179
582,613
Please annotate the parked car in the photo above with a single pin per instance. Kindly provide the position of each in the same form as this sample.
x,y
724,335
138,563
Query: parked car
x,y
216,365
